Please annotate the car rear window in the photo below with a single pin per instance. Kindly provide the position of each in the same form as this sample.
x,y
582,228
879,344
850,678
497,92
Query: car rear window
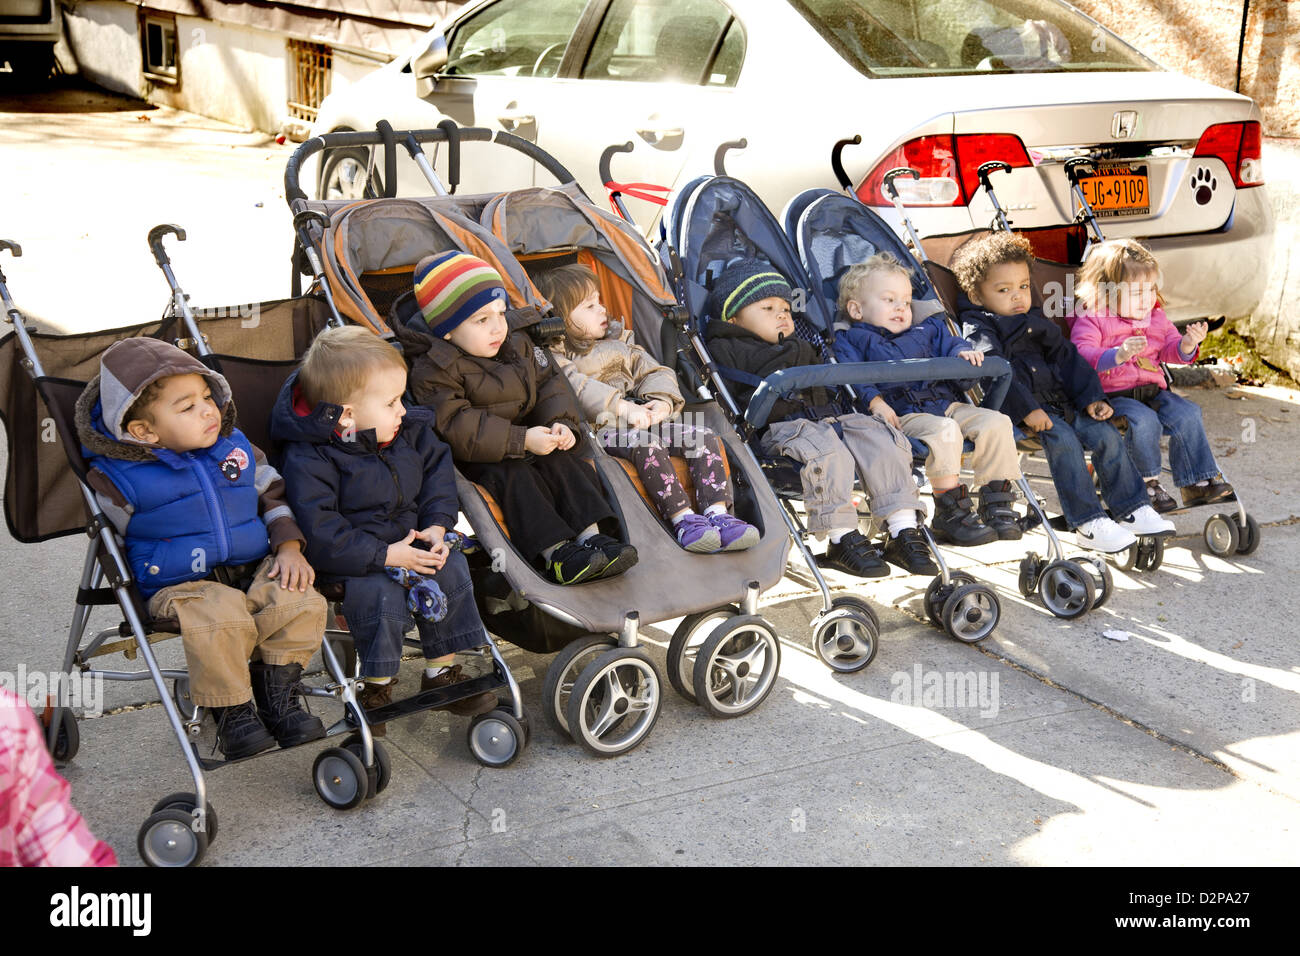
x,y
939,37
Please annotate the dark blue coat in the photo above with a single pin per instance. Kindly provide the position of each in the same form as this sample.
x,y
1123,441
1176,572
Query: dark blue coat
x,y
930,338
354,498
1048,370
191,511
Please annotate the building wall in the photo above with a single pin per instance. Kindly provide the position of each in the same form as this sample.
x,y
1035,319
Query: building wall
x,y
1200,38
105,40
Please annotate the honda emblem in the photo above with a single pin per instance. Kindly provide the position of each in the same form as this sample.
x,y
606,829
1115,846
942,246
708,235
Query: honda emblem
x,y
1124,125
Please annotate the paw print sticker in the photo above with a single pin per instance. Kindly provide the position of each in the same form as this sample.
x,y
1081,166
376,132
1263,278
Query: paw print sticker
x,y
1203,185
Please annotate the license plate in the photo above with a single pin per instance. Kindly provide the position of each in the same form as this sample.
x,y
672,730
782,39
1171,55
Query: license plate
x,y
1116,190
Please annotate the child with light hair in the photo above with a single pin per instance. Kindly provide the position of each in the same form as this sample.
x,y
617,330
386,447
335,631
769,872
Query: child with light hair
x,y
875,325
1121,329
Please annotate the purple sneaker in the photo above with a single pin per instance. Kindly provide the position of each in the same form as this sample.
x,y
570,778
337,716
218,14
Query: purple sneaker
x,y
736,535
695,533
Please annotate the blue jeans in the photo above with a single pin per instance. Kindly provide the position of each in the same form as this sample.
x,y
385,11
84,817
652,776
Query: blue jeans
x,y
1121,485
1190,457
377,615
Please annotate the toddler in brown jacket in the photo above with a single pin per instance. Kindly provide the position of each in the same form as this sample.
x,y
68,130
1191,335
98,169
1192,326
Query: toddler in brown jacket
x,y
635,403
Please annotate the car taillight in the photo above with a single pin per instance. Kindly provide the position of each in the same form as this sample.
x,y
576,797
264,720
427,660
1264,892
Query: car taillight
x,y
948,165
1238,146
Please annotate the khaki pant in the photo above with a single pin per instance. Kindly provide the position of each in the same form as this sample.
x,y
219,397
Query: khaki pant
x,y
995,457
869,447
221,628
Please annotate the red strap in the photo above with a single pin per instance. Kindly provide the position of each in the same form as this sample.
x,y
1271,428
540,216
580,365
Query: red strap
x,y
634,190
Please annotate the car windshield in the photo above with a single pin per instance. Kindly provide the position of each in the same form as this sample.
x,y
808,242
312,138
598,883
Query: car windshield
x,y
939,37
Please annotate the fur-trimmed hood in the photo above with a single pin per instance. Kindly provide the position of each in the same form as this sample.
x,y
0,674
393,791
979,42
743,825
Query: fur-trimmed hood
x,y
97,439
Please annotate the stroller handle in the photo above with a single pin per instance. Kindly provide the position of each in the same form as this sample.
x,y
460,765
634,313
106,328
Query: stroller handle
x,y
992,166
11,246
861,373
293,190
1072,167
720,154
887,183
156,236
837,166
605,174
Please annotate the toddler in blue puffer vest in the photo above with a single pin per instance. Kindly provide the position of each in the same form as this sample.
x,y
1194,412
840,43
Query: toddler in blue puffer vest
x,y
210,540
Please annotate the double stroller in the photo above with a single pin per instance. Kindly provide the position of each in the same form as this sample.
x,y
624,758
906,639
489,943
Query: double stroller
x,y
716,220
600,689
832,231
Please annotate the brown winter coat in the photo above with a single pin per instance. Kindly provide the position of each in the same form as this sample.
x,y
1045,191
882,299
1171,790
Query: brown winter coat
x,y
484,406
605,371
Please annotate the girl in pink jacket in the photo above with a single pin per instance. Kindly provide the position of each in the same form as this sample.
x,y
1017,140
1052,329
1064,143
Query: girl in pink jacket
x,y
1120,328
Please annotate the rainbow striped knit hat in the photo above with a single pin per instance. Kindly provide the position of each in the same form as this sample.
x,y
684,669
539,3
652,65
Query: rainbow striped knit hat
x,y
451,286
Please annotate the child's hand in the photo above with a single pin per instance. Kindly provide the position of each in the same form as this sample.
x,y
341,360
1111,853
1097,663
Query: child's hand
x,y
1038,421
973,356
291,568
658,410
433,536
1131,346
564,439
402,555
882,410
637,416
1193,336
540,440
1100,411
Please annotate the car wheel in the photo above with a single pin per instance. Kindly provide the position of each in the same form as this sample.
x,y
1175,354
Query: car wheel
x,y
344,175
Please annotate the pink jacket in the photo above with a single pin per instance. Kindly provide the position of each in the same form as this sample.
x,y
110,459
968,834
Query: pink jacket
x,y
1097,334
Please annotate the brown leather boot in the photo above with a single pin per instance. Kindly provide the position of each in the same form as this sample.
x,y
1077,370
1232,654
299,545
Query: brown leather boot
x,y
470,706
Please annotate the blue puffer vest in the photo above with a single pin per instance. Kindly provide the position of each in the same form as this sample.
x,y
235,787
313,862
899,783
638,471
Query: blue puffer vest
x,y
193,510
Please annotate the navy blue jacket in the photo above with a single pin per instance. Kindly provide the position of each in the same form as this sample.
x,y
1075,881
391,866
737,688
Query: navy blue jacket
x,y
1049,371
862,342
354,498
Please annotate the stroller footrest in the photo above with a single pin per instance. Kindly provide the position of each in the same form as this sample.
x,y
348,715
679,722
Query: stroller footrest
x,y
438,697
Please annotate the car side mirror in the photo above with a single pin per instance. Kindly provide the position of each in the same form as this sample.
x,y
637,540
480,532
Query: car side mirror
x,y
429,63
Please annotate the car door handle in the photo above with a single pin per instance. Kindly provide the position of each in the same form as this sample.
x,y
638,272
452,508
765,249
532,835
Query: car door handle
x,y
655,133
512,120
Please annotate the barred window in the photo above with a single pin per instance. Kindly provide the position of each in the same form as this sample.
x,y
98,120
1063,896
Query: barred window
x,y
310,83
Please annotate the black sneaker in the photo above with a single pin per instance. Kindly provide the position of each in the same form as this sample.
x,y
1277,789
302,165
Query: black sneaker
x,y
908,550
854,554
996,511
1161,500
620,556
240,732
955,521
573,563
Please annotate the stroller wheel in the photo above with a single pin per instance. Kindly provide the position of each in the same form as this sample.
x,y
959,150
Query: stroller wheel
x,y
937,594
1222,535
563,672
1066,589
167,839
496,738
1103,583
181,697
187,802
615,702
1030,566
737,666
1127,559
383,762
971,612
67,740
1248,534
340,778
683,649
845,638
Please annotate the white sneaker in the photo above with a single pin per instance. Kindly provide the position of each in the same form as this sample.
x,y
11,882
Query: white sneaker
x,y
1146,521
1102,534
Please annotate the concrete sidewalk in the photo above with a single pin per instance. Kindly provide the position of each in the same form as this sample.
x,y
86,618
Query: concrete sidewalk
x,y
1175,747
